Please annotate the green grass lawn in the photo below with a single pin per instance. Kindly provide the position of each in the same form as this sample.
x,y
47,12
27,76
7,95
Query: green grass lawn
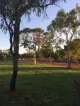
x,y
39,85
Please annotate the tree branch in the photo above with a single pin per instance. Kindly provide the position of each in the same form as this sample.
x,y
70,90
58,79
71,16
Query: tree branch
x,y
10,32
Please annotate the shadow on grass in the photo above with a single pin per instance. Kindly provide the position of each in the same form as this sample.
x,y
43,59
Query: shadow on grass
x,y
55,89
39,86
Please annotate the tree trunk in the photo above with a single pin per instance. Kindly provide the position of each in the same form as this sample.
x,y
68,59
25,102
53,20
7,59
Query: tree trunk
x,y
38,52
69,63
15,62
15,53
35,58
14,75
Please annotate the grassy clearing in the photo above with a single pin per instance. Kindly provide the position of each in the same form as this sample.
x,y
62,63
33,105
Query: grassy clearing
x,y
39,85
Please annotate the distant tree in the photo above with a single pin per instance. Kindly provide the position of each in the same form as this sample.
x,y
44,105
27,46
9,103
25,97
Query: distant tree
x,y
1,55
47,44
59,54
7,54
74,49
30,55
26,55
0,51
65,24
32,39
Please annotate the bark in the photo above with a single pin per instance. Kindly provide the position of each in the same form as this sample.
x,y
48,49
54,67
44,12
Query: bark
x,y
38,52
69,63
68,52
35,58
15,54
14,75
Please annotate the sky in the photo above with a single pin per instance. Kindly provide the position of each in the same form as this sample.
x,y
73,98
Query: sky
x,y
38,21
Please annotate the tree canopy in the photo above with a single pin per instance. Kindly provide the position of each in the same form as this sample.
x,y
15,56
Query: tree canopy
x,y
65,24
13,10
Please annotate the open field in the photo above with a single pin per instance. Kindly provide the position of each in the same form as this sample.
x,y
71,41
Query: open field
x,y
39,85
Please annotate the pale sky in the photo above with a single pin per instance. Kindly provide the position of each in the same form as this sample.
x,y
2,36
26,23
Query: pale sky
x,y
38,21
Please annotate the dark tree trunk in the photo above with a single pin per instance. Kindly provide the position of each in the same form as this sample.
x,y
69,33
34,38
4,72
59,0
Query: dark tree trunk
x,y
15,54
38,53
14,75
15,62
69,63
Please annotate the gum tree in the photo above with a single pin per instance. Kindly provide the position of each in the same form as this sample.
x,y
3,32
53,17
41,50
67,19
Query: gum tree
x,y
74,49
11,12
65,24
47,44
32,39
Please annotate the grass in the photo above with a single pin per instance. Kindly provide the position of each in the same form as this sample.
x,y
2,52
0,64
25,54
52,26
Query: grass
x,y
39,85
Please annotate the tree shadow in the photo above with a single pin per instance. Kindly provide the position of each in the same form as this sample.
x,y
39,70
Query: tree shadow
x,y
41,86
40,89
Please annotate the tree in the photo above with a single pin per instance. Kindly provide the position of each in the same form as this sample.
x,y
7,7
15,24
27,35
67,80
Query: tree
x,y
11,12
25,56
1,55
32,39
8,55
47,44
65,24
74,49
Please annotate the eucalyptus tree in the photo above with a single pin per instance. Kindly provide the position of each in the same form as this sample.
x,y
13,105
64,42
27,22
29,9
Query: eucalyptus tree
x,y
32,39
38,40
74,49
47,44
11,12
65,24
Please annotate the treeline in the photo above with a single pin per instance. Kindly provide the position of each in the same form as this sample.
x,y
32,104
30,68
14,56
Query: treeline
x,y
5,55
64,31
43,53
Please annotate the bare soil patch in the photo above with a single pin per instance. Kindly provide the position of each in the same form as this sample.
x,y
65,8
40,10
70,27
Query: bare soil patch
x,y
56,64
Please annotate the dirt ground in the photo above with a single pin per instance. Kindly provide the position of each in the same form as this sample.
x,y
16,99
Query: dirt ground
x,y
73,65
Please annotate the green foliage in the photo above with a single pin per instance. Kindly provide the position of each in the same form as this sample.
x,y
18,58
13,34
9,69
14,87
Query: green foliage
x,y
11,12
47,44
65,23
60,20
9,8
1,56
46,52
59,54
26,55
30,38
74,49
